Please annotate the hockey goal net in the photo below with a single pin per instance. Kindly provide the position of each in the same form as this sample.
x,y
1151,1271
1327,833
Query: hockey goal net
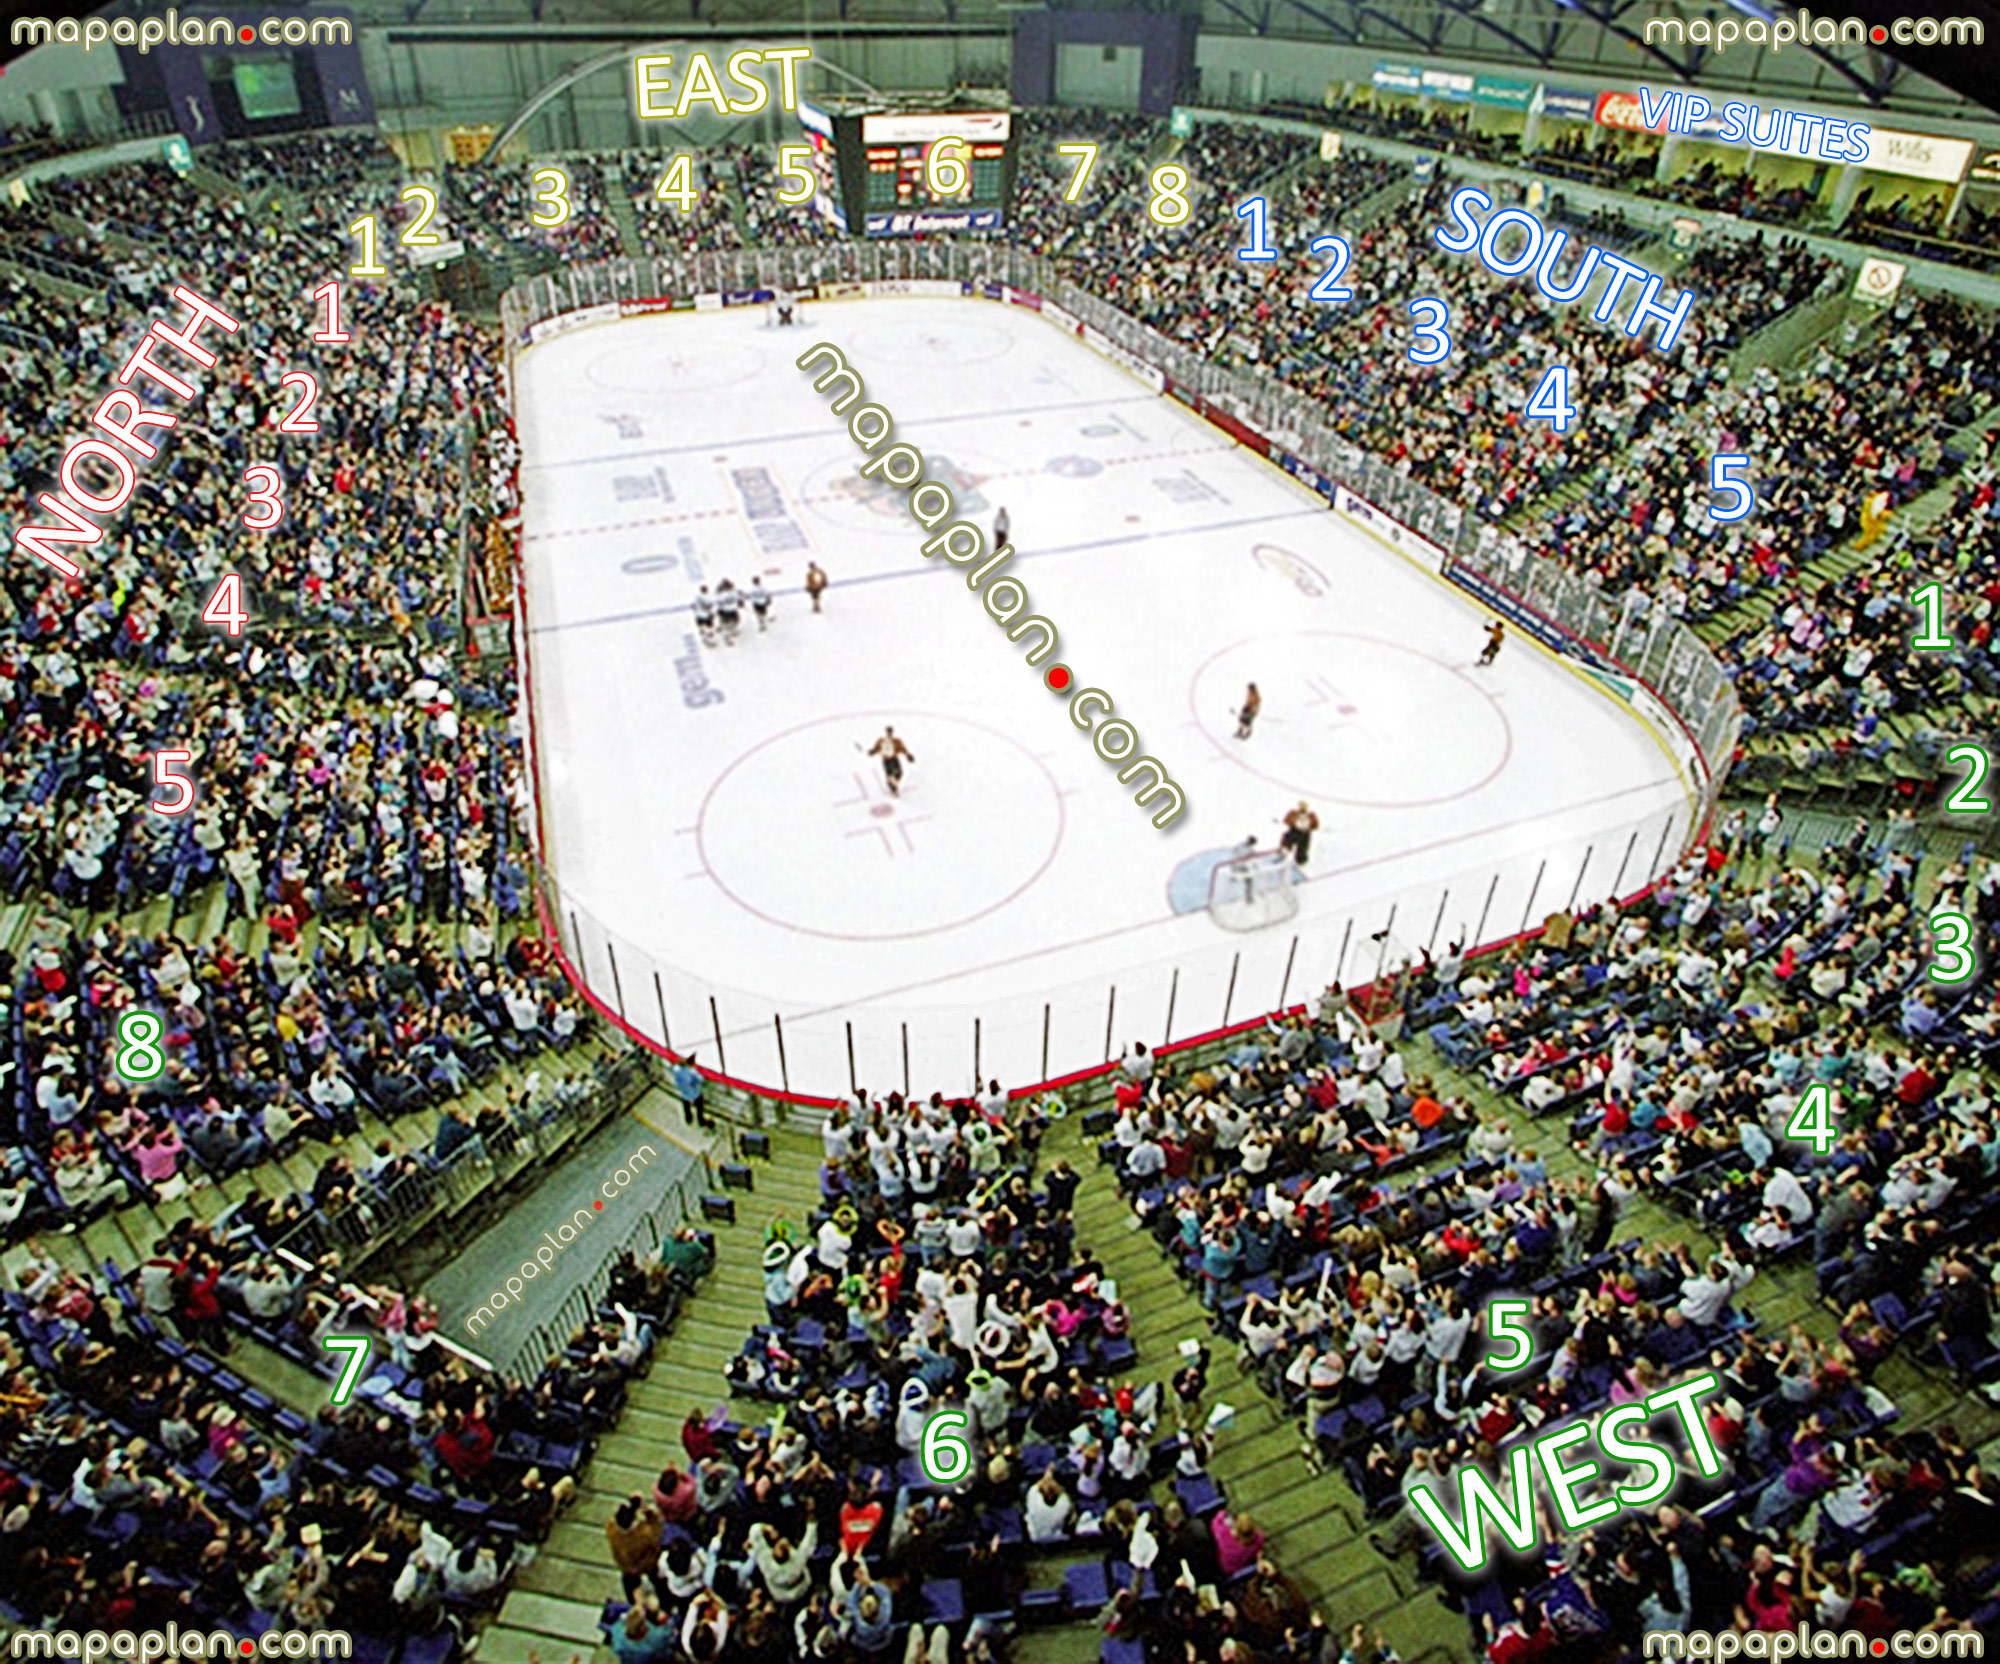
x,y
1247,892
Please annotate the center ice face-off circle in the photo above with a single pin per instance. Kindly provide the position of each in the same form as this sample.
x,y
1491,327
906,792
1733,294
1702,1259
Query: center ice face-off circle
x,y
795,830
1355,719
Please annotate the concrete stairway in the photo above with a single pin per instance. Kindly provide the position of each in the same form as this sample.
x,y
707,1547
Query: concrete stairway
x,y
1313,1522
553,1607
611,180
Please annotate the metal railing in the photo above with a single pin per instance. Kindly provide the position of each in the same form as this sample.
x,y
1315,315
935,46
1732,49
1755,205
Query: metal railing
x,y
1641,654
392,1213
550,1337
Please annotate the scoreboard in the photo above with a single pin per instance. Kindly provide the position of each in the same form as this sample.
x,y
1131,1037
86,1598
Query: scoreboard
x,y
873,172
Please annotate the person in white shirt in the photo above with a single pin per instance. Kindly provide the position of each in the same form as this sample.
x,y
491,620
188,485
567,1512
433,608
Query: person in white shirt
x,y
962,1235
1145,1159
1705,1295
834,1244
1049,1510
1783,1190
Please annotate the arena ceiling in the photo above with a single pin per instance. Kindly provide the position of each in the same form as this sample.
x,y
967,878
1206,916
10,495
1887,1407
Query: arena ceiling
x,y
1577,36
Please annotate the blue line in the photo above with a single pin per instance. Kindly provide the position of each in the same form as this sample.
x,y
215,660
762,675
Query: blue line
x,y
781,438
919,571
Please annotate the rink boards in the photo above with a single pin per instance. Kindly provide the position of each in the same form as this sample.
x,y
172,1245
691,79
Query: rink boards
x,y
731,876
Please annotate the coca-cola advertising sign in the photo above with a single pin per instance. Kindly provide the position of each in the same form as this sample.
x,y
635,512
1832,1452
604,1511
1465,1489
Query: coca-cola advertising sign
x,y
1622,109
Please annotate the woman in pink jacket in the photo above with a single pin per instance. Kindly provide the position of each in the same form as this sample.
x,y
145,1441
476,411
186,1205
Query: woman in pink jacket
x,y
1238,1542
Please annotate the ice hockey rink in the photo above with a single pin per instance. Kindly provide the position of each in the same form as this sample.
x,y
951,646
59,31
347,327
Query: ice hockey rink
x,y
728,861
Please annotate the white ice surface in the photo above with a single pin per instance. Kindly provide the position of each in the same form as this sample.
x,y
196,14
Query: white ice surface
x,y
744,849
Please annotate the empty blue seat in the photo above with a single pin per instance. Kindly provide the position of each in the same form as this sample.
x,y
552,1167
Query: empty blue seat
x,y
1087,1585
944,1601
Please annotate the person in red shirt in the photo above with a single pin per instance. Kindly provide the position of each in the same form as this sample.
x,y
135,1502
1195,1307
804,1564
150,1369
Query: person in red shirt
x,y
201,1311
860,1515
1916,1085
697,1439
1522,1638
1617,1119
466,1447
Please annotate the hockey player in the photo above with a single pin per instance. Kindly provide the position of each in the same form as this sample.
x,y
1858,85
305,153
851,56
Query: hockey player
x,y
1300,825
1001,526
704,616
1253,702
815,582
760,603
893,753
728,610
1496,633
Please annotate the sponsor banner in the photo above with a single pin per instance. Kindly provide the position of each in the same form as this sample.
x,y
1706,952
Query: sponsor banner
x,y
924,221
1623,110
1306,474
436,254
1151,376
915,286
1399,77
974,126
1449,85
1509,95
1021,297
1916,155
815,121
1062,316
1235,429
1500,601
1878,280
708,303
1391,530
634,308
1986,170
549,328
842,291
744,297
994,291
1571,103
1518,612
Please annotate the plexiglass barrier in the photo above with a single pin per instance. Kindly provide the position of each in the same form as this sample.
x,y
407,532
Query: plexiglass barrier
x,y
1351,934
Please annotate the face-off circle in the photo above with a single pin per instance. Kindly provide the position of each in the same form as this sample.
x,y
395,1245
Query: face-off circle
x,y
977,821
1356,720
659,368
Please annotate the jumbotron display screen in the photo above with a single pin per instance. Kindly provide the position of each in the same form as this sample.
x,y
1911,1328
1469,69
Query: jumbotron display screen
x,y
898,199
881,162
